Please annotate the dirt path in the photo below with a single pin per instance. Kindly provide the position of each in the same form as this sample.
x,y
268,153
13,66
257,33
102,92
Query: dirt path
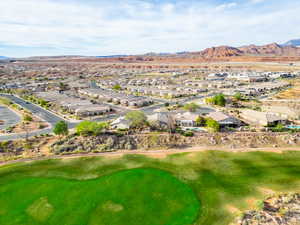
x,y
152,153
45,148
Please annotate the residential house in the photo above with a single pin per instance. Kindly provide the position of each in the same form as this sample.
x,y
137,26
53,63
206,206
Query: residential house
x,y
186,119
161,119
92,110
262,118
224,120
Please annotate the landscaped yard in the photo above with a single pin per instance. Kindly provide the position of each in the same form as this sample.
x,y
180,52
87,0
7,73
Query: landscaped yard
x,y
209,187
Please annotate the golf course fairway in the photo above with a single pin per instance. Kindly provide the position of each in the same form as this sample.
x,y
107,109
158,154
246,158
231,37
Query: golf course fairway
x,y
200,188
138,196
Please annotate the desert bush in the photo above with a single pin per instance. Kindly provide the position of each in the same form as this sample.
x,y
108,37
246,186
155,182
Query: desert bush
x,y
27,118
188,134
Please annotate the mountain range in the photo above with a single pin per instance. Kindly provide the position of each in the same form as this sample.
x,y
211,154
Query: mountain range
x,y
294,42
269,50
252,52
289,51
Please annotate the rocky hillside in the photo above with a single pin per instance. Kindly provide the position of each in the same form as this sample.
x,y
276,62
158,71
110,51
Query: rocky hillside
x,y
219,52
277,210
273,49
164,141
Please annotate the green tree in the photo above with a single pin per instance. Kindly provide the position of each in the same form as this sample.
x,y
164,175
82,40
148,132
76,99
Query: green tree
x,y
61,128
213,125
219,100
97,128
192,107
87,128
137,119
200,121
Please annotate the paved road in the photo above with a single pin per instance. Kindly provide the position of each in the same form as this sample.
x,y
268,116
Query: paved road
x,y
9,117
36,110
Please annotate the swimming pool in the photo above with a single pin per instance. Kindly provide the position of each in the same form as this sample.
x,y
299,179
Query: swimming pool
x,y
293,127
196,129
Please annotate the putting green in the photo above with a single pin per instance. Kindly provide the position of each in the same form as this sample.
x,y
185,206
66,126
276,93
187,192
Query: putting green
x,y
136,197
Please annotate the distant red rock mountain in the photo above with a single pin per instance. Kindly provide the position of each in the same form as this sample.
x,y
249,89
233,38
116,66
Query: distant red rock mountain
x,y
274,50
219,52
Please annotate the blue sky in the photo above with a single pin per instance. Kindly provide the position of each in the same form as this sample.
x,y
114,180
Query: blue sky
x,y
106,27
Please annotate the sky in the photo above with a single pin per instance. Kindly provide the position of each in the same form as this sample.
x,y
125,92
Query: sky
x,y
109,27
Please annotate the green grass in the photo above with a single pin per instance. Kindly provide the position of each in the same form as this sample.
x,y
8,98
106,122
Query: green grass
x,y
182,189
138,196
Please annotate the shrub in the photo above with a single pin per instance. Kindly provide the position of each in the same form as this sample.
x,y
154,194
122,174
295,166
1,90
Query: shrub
x,y
27,118
257,108
279,128
28,146
179,130
42,126
117,87
188,134
87,128
119,134
4,146
238,96
154,140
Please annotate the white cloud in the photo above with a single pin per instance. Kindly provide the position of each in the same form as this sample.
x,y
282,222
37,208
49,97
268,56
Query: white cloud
x,y
131,26
226,6
257,1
